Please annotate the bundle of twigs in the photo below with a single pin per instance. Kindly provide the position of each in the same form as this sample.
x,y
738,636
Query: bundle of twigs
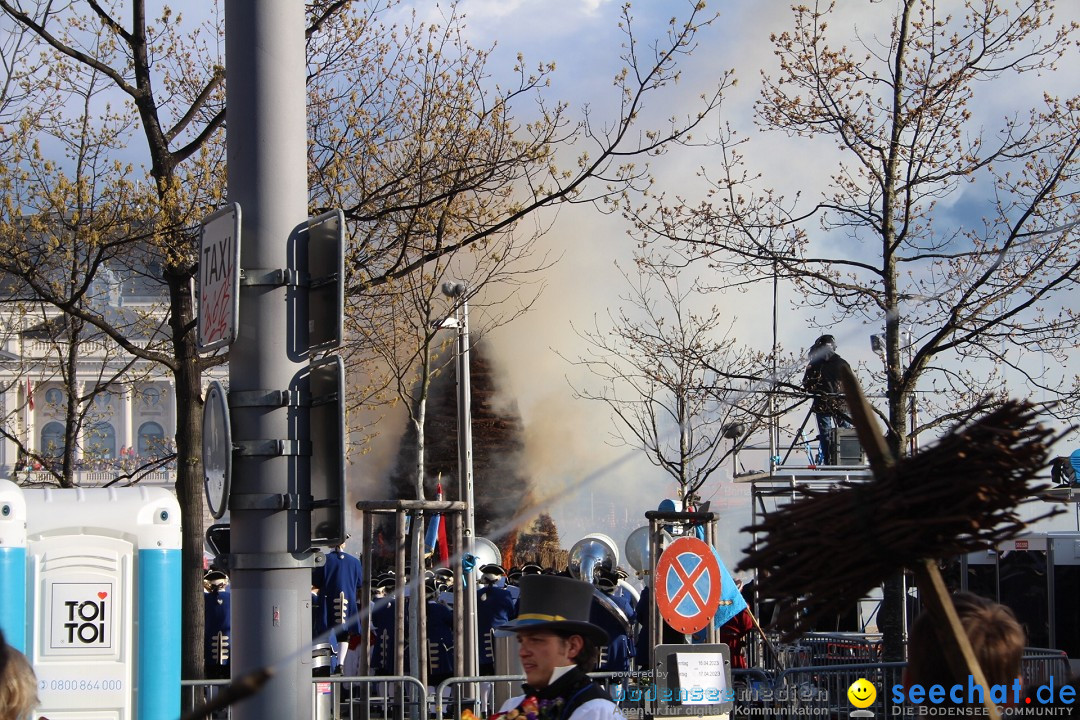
x,y
827,550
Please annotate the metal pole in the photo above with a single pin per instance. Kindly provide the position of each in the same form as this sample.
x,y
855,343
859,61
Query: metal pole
x,y
270,555
465,472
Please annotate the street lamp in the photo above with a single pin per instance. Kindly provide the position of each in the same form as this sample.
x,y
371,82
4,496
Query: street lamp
x,y
733,431
460,320
877,344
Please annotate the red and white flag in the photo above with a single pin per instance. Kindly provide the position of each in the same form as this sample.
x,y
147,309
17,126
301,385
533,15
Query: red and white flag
x,y
29,393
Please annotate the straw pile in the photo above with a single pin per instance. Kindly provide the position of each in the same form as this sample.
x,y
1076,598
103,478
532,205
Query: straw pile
x,y
827,550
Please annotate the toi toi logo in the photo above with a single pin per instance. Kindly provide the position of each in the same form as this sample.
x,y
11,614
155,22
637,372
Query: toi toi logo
x,y
86,620
81,615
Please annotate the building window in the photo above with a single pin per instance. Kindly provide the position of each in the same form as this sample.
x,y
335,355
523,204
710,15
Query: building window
x,y
52,439
101,441
151,440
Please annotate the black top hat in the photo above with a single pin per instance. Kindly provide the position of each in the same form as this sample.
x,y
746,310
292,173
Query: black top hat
x,y
215,579
555,603
607,580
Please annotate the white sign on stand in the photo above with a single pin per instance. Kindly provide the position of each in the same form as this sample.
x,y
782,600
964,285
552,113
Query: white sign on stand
x,y
693,680
704,672
219,278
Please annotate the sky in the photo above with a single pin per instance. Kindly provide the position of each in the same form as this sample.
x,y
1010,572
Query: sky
x,y
569,445
576,466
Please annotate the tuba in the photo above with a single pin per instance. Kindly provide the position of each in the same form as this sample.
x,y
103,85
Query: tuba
x,y
590,555
486,552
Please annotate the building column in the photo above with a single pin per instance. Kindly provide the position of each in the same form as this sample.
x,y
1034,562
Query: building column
x,y
130,399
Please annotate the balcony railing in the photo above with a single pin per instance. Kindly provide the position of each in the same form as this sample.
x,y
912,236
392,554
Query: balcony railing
x,y
89,478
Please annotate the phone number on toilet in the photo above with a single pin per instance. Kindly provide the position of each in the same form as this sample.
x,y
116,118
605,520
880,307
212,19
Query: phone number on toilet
x,y
79,685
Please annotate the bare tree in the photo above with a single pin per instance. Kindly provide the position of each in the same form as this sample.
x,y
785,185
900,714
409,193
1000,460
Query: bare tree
x,y
977,291
401,121
678,386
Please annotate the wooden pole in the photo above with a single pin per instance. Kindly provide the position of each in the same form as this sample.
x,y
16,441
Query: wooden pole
x,y
932,590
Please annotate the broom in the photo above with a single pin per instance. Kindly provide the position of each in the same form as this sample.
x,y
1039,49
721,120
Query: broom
x,y
830,548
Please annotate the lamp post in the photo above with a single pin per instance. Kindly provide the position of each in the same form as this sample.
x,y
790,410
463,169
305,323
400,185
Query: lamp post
x,y
460,320
877,344
733,431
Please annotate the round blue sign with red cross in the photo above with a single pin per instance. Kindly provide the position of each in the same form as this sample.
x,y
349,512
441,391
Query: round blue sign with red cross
x,y
688,585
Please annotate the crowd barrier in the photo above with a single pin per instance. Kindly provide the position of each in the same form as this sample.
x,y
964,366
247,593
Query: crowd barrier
x,y
821,691
1040,664
783,694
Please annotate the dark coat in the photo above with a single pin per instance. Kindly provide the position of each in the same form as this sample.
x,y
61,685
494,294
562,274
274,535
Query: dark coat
x,y
822,380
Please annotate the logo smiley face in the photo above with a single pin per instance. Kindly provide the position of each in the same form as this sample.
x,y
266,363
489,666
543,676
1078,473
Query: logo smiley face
x,y
862,693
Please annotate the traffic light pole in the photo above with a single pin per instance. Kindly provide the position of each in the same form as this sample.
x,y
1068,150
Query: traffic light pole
x,y
269,506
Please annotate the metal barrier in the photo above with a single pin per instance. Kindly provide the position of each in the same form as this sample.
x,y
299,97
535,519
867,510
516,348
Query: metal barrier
x,y
822,690
797,692
841,648
382,697
1040,664
195,693
453,695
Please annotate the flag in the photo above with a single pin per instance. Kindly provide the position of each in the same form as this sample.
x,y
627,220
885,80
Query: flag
x,y
731,600
29,393
433,534
443,547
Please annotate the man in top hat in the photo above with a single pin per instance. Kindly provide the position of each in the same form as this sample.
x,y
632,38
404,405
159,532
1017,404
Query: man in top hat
x,y
557,646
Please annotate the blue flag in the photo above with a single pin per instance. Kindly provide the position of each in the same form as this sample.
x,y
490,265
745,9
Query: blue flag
x,y
731,600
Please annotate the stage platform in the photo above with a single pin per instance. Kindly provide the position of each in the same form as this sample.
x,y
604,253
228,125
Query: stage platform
x,y
807,474
1061,494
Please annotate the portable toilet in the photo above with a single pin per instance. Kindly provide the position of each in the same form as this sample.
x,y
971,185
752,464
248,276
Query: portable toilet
x,y
13,564
103,574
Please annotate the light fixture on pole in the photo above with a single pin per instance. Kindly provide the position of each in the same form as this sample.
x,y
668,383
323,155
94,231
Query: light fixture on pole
x,y
459,293
733,431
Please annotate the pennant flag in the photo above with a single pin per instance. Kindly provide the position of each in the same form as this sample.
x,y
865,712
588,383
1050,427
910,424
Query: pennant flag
x,y
29,393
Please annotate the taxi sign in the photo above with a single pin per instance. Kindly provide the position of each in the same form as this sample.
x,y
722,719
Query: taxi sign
x,y
688,585
219,278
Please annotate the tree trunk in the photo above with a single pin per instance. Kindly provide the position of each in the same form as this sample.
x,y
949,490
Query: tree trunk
x,y
189,476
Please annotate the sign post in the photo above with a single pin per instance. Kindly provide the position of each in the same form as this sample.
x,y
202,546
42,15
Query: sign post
x,y
219,278
688,585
